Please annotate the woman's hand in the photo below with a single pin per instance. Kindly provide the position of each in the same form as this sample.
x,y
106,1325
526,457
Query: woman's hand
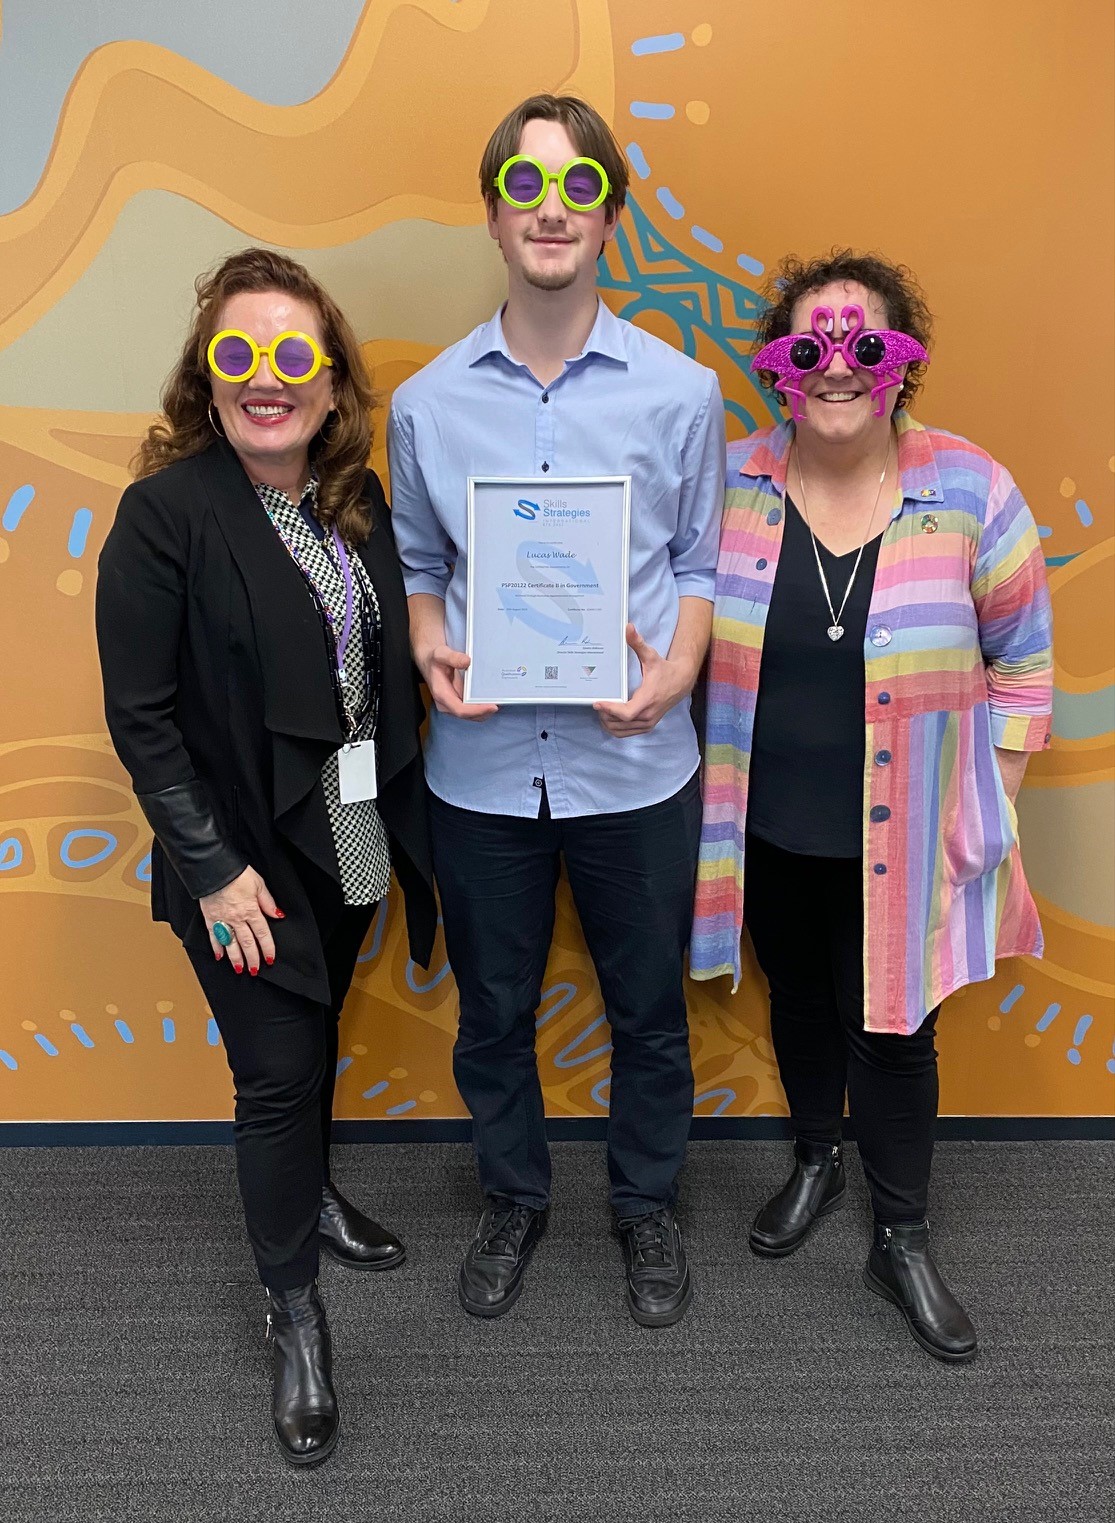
x,y
244,905
1012,769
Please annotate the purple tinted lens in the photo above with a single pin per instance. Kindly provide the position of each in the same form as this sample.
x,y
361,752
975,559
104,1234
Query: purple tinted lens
x,y
234,356
522,182
583,184
294,357
805,353
870,349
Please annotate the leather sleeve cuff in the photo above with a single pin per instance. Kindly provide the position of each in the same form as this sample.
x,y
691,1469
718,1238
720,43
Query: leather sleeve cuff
x,y
182,819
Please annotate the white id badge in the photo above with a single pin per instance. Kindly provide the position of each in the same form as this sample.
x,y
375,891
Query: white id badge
x,y
356,771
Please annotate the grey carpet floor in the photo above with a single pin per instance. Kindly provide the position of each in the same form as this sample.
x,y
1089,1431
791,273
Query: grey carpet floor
x,y
133,1374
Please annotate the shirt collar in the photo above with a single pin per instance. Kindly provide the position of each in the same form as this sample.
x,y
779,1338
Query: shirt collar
x,y
918,476
272,494
606,338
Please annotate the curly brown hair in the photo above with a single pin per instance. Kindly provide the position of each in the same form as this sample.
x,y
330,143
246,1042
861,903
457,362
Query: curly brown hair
x,y
894,284
341,448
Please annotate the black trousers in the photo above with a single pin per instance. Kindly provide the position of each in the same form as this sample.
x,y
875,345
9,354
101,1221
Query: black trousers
x,y
805,915
282,1050
632,875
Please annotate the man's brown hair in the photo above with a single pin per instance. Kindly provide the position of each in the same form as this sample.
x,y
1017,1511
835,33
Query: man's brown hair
x,y
591,135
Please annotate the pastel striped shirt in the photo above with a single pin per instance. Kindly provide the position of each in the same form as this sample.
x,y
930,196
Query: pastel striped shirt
x,y
958,657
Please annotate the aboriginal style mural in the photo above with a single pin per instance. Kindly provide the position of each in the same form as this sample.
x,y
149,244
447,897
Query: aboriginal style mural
x,y
142,143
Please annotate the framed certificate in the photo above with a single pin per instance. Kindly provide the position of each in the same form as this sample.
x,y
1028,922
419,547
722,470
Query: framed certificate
x,y
547,589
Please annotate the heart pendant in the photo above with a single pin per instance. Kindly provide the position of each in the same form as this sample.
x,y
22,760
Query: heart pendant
x,y
835,631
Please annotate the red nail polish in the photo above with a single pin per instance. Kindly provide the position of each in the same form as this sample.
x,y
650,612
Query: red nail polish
x,y
238,968
280,914
253,971
216,957
269,960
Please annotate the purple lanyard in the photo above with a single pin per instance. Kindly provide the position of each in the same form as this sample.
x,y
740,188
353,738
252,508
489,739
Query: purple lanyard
x,y
346,628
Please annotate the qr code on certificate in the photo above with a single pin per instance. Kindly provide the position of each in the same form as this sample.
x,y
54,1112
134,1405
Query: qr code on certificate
x,y
551,674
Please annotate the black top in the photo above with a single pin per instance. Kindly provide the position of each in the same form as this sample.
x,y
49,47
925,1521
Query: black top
x,y
805,792
220,704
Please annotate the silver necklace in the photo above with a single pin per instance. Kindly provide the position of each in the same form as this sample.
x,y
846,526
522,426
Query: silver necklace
x,y
836,629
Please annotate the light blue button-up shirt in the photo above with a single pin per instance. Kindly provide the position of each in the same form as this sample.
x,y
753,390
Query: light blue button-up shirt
x,y
628,404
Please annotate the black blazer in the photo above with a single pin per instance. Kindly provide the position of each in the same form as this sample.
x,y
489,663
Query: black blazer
x,y
220,704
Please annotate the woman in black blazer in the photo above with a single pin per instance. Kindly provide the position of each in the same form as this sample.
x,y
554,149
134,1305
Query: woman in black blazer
x,y
259,689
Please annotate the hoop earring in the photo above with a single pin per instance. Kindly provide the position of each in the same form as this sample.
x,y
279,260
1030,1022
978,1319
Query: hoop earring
x,y
220,433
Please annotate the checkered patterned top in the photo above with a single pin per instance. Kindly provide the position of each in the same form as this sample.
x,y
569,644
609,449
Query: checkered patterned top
x,y
363,854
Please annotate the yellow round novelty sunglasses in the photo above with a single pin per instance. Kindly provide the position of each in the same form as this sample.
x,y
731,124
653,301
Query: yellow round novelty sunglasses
x,y
294,357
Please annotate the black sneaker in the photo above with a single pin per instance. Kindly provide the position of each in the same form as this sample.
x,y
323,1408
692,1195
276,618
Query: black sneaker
x,y
491,1274
658,1286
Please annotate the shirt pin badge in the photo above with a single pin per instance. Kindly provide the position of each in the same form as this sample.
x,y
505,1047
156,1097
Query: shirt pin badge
x,y
927,491
929,524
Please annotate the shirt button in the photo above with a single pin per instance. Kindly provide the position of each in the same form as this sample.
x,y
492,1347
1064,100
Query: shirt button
x,y
880,868
883,698
881,635
545,396
545,734
882,758
545,465
774,516
761,563
879,813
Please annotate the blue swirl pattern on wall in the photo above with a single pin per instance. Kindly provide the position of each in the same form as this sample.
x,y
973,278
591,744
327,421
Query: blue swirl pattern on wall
x,y
659,277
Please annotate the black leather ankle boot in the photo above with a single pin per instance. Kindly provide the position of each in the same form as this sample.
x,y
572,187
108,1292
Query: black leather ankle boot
x,y
816,1187
901,1269
303,1401
352,1238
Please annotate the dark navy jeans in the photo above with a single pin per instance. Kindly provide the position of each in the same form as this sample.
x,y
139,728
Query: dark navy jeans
x,y
632,877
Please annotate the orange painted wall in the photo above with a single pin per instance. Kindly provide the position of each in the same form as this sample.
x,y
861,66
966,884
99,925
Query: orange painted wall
x,y
975,143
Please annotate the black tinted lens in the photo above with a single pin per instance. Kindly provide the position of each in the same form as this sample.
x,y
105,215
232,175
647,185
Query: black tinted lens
x,y
870,349
805,353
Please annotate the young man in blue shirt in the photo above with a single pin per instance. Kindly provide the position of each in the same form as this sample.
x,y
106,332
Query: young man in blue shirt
x,y
556,385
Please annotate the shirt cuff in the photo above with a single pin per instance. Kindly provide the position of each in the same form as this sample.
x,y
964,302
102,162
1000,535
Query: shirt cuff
x,y
425,581
696,584
1021,732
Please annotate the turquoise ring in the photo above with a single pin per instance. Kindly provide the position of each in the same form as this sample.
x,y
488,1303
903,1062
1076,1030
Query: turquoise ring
x,y
223,933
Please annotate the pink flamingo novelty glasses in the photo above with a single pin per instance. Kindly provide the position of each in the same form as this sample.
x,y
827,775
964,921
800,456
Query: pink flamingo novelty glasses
x,y
878,350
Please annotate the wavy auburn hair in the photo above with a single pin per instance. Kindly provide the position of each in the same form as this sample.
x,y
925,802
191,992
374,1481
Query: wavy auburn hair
x,y
339,451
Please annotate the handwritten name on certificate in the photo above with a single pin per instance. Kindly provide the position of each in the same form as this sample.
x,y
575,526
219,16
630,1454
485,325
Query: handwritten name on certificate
x,y
547,589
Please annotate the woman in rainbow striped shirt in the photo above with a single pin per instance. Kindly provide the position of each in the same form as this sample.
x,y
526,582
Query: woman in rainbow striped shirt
x,y
880,670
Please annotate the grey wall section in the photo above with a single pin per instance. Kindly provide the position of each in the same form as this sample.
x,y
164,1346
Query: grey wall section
x,y
282,52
